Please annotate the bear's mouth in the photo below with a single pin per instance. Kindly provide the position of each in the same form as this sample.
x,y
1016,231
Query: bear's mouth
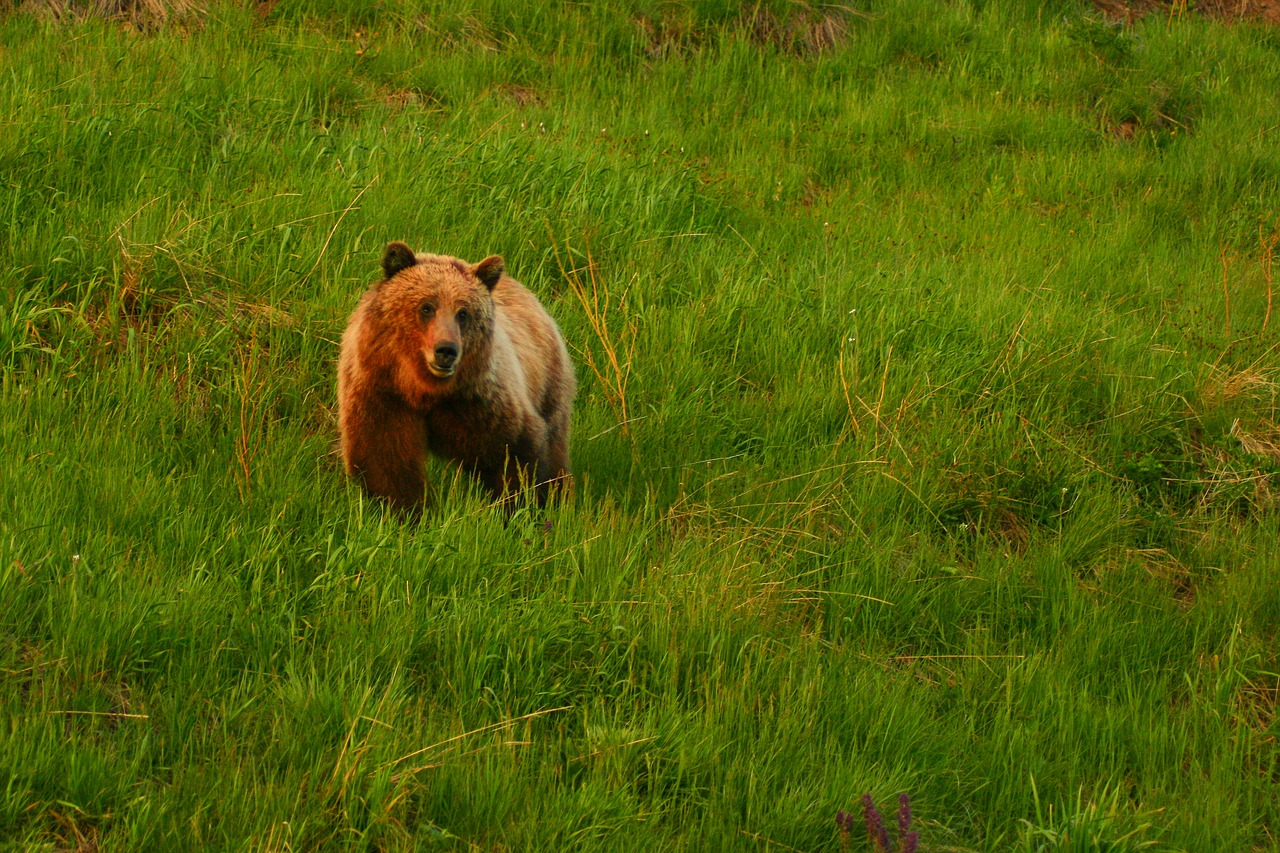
x,y
440,372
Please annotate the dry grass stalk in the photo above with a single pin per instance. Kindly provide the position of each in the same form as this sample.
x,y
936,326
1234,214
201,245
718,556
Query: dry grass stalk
x,y
854,425
1226,290
1224,385
140,13
1266,253
1259,442
251,425
613,369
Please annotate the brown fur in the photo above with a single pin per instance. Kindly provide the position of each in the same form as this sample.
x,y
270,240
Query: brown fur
x,y
502,413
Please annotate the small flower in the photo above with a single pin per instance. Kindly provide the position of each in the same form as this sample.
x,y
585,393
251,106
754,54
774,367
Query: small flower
x,y
876,833
844,822
904,813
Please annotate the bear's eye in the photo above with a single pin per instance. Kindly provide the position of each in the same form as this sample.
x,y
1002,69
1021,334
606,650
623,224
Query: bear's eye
x,y
427,310
463,317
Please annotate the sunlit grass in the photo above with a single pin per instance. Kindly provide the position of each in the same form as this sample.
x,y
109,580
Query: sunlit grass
x,y
927,437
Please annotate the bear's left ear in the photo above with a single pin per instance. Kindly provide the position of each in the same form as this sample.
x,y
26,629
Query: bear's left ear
x,y
490,270
397,257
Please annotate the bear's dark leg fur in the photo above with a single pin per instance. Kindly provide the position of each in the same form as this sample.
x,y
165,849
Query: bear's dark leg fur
x,y
386,446
555,473
523,466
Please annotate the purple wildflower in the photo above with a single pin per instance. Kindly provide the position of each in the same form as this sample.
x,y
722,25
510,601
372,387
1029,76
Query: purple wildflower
x,y
876,833
904,814
844,820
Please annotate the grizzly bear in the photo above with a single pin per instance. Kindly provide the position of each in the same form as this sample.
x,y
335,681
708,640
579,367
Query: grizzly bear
x,y
461,360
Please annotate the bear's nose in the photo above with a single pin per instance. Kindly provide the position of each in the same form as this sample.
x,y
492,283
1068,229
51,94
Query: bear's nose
x,y
446,354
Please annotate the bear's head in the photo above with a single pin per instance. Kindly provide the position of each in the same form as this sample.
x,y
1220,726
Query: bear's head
x,y
439,310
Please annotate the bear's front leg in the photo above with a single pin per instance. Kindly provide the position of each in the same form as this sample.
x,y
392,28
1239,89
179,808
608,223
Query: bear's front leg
x,y
518,467
384,447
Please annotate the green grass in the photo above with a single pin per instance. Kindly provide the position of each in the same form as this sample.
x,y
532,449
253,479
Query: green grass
x,y
941,455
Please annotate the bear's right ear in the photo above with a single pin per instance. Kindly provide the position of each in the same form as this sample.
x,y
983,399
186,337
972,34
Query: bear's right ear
x,y
489,270
397,257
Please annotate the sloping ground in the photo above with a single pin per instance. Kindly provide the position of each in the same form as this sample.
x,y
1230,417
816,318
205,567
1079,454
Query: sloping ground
x,y
1265,11
815,26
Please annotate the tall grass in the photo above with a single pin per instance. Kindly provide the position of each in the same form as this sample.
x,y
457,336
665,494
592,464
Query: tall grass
x,y
927,438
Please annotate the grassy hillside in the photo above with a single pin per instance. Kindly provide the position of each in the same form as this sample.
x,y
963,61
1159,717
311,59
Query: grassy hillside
x,y
928,437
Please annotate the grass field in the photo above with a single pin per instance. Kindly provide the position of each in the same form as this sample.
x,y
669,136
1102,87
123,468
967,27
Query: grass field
x,y
928,438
